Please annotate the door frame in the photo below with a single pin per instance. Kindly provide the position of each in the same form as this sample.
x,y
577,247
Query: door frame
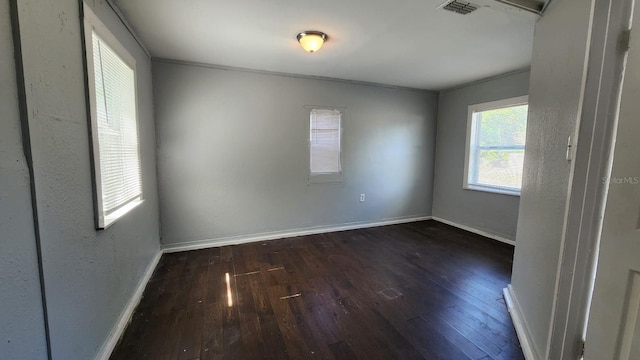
x,y
588,186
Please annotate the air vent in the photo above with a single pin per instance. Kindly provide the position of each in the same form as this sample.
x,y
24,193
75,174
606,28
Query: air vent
x,y
460,7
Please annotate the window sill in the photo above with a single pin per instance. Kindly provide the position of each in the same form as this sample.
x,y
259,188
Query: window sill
x,y
494,190
110,219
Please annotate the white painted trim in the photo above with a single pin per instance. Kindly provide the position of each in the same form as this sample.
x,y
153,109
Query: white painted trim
x,y
242,239
491,78
127,312
499,104
93,24
128,26
118,330
472,130
476,231
492,189
319,178
522,329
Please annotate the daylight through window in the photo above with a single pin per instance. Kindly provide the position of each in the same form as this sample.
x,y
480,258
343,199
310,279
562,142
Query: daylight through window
x,y
325,140
114,126
495,153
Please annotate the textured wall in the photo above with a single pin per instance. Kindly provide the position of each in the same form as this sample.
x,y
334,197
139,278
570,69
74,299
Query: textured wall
x,y
494,213
89,275
233,156
22,324
557,74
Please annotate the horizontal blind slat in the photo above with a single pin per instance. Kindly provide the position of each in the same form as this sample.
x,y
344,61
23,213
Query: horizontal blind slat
x,y
325,127
117,128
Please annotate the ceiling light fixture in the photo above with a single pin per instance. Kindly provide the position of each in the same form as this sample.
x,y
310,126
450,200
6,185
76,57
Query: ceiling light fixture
x,y
312,41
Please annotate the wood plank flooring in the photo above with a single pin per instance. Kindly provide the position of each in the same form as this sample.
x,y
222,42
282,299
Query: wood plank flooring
x,y
422,290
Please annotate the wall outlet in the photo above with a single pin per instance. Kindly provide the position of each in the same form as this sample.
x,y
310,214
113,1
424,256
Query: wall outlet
x,y
361,197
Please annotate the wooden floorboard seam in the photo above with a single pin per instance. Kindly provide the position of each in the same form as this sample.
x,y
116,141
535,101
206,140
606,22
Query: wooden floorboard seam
x,y
421,290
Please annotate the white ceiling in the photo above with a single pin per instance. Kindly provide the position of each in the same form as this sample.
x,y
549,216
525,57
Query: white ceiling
x,y
408,43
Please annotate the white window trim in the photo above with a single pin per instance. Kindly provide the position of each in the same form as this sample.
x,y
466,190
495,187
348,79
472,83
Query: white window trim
x,y
93,23
491,105
327,177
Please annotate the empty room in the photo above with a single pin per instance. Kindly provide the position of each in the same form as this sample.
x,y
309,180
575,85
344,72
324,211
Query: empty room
x,y
416,179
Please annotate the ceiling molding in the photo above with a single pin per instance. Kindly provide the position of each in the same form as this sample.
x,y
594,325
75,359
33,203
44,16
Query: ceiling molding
x,y
545,6
533,6
496,77
371,45
129,28
298,76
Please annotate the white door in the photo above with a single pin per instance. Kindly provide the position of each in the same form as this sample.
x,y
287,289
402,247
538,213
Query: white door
x,y
613,330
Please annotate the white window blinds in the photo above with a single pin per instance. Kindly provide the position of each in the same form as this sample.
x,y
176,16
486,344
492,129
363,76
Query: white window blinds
x,y
118,159
325,140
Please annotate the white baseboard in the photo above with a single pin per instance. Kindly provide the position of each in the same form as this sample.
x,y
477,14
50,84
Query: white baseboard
x,y
524,335
127,312
476,231
124,318
117,331
235,240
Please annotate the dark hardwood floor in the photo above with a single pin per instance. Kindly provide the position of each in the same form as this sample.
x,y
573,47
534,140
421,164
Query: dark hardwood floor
x,y
422,290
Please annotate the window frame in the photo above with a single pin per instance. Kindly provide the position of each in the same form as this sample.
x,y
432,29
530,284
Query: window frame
x,y
316,178
91,23
472,134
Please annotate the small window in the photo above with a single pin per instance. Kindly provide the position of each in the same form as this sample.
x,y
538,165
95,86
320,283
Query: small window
x,y
114,124
325,142
496,135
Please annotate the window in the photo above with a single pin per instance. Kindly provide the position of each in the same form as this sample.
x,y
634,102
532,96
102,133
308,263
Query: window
x,y
325,139
114,126
496,133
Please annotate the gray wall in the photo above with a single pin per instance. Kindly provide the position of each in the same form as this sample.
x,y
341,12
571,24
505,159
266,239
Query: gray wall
x,y
554,101
233,156
89,275
22,330
494,213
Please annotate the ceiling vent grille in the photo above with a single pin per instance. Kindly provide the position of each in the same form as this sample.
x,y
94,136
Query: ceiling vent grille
x,y
460,7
